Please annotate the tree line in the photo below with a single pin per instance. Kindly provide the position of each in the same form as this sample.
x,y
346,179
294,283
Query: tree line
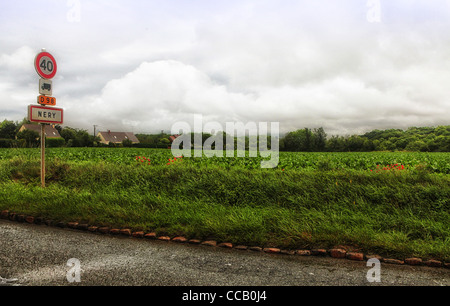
x,y
418,139
10,136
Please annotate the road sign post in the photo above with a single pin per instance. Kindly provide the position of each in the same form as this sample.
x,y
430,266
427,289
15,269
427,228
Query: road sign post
x,y
46,67
44,114
44,100
45,87
43,155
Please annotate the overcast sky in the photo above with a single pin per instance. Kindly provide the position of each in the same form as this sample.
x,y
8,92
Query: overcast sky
x,y
348,66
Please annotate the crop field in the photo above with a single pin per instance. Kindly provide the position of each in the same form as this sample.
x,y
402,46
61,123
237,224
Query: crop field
x,y
388,203
433,162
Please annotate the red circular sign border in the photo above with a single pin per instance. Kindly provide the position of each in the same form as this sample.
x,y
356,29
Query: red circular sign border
x,y
38,69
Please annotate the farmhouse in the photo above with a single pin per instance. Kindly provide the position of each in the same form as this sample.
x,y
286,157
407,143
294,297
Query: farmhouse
x,y
116,137
50,131
173,137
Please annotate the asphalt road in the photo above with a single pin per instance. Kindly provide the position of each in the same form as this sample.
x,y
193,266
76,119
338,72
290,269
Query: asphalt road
x,y
32,255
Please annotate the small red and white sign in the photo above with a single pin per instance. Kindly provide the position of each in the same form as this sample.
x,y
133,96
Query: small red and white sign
x,y
42,114
45,65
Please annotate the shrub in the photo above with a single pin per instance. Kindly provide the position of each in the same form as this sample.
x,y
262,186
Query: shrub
x,y
55,142
7,143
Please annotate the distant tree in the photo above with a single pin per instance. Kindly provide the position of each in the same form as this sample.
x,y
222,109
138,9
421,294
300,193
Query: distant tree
x,y
8,130
355,143
442,131
418,146
368,145
387,145
55,142
335,144
292,141
69,134
401,143
299,141
84,138
30,137
127,143
77,138
319,139
308,142
163,142
442,143
153,140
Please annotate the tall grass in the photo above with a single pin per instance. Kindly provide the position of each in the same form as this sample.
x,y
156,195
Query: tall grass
x,y
394,214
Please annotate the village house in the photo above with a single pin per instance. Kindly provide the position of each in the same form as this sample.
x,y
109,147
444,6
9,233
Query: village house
x,y
173,137
116,137
50,131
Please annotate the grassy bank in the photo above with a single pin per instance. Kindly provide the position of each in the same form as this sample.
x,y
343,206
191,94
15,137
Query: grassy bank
x,y
393,214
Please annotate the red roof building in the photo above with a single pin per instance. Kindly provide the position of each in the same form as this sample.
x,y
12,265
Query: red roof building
x,y
173,137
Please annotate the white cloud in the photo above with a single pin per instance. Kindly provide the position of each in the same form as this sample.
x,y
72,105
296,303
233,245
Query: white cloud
x,y
146,65
19,61
157,94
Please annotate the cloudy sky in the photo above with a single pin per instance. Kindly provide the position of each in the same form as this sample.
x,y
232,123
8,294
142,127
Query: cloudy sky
x,y
348,66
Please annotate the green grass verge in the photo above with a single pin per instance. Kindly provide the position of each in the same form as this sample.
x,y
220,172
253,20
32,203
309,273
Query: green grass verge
x,y
392,214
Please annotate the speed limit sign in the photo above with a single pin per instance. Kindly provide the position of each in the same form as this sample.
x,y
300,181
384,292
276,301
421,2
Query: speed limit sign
x,y
45,65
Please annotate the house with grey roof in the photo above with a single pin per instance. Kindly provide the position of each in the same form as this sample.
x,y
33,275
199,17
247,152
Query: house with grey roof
x,y
116,137
50,131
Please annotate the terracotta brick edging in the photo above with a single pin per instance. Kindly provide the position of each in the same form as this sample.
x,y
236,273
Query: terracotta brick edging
x,y
337,253
355,256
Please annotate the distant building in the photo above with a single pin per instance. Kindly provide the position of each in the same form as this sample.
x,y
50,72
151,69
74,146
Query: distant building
x,y
173,137
50,131
116,137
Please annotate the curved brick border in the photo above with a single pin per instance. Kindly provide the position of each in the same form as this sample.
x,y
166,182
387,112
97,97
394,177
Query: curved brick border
x,y
338,253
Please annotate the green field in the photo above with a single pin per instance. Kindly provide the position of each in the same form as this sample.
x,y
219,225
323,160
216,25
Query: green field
x,y
433,162
393,204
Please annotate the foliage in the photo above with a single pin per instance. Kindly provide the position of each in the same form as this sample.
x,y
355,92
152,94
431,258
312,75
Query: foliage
x,y
153,140
77,138
30,137
305,140
7,143
401,208
127,143
55,142
414,139
325,161
424,139
7,129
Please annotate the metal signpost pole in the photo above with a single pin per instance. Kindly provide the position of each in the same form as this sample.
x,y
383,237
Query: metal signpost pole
x,y
43,154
